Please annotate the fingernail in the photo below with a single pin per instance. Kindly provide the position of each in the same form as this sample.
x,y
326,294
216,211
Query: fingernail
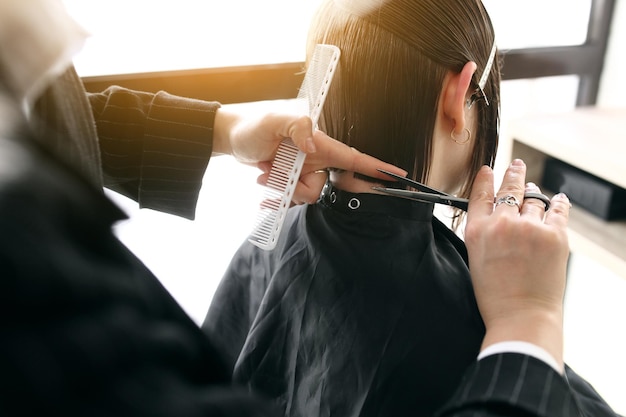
x,y
563,196
517,163
310,146
531,185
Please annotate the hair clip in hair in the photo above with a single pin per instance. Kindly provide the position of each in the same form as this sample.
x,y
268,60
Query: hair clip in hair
x,y
476,95
483,79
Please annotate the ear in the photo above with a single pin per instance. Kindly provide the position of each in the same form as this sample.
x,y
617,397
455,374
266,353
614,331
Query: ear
x,y
454,96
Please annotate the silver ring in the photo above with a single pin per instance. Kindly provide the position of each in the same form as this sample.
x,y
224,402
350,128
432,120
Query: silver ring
x,y
509,200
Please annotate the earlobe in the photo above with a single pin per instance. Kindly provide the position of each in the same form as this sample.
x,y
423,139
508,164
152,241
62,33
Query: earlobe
x,y
456,88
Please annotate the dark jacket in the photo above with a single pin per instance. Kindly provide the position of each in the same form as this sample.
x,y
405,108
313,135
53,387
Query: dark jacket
x,y
85,328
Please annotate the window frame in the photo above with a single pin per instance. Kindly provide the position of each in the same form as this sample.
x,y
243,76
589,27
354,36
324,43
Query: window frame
x,y
281,81
586,60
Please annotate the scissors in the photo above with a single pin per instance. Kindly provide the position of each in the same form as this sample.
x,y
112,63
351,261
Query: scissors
x,y
431,195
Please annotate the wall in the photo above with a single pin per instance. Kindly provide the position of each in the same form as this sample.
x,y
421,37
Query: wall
x,y
613,84
595,311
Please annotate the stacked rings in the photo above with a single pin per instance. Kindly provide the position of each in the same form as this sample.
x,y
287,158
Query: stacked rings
x,y
511,200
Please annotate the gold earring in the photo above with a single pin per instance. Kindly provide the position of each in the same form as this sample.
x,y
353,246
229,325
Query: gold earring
x,y
461,142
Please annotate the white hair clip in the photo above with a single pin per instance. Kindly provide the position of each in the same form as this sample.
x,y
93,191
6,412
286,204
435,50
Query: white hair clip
x,y
486,72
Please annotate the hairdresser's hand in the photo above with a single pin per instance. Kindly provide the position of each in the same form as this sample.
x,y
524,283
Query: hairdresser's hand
x,y
329,153
518,261
254,140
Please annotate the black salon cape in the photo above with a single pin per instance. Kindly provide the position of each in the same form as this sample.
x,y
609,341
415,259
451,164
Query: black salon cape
x,y
356,312
364,308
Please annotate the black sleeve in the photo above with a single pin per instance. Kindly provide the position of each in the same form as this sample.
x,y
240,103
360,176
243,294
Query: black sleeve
x,y
154,147
510,385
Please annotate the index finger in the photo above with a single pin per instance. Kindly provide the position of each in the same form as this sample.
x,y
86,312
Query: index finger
x,y
334,154
481,197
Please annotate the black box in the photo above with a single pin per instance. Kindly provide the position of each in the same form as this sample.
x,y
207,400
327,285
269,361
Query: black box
x,y
587,191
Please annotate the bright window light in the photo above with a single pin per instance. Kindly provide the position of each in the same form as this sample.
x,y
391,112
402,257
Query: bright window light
x,y
539,23
130,36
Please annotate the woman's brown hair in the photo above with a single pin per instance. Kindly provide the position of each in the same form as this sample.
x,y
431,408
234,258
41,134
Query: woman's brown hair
x,y
394,57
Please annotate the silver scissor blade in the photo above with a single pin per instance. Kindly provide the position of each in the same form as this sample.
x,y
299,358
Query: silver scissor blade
x,y
457,202
413,184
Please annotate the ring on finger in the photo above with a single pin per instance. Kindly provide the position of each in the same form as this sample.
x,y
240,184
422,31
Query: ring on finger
x,y
541,197
509,200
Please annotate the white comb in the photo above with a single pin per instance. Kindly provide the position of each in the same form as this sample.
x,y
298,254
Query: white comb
x,y
288,162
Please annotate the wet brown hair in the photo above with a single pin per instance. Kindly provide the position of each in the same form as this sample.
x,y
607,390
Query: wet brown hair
x,y
394,57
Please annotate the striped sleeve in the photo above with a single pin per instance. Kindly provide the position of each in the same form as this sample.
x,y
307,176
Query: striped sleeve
x,y
511,384
155,147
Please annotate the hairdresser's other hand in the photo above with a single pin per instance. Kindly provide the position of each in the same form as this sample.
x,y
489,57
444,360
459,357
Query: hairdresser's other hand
x,y
254,140
518,261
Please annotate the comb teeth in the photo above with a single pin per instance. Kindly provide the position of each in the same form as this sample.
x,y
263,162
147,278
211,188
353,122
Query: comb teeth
x,y
289,160
278,194
282,168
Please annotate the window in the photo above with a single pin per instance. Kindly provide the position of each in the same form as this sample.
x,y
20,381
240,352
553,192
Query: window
x,y
531,23
130,36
